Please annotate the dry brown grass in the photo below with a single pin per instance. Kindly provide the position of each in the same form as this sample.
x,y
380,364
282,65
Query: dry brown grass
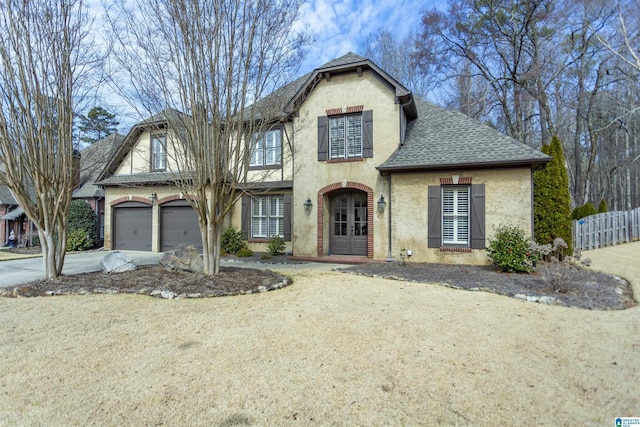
x,y
332,349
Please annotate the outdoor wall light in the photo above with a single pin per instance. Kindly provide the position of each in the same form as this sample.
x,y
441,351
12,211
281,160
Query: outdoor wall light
x,y
381,204
307,205
154,198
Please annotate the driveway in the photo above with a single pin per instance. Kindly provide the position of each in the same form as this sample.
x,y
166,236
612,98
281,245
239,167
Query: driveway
x,y
19,271
16,272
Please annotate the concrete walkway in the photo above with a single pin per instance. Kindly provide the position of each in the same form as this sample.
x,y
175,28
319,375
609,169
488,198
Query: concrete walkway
x,y
19,271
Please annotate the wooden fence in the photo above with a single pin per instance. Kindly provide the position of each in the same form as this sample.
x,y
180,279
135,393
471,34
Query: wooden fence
x,y
606,229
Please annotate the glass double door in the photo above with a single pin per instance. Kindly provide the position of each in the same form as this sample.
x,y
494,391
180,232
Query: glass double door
x,y
349,227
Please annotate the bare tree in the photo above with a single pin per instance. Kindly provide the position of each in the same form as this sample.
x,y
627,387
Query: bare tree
x,y
42,53
206,64
510,45
395,56
624,41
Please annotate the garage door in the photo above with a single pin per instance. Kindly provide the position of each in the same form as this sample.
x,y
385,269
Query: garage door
x,y
132,226
179,224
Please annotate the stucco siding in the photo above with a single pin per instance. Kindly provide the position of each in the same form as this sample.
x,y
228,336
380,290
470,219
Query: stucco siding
x,y
312,175
507,200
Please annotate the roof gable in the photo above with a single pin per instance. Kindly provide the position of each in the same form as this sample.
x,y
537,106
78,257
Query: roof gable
x,y
156,121
349,63
442,139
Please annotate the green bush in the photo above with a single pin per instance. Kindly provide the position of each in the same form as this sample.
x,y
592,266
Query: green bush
x,y
244,252
552,199
602,207
78,240
82,226
232,241
510,250
583,211
276,245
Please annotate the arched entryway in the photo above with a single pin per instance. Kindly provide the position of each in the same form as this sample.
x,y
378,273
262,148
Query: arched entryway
x,y
345,219
349,225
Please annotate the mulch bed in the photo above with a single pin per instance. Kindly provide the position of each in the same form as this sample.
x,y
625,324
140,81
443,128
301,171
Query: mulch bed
x,y
585,289
155,280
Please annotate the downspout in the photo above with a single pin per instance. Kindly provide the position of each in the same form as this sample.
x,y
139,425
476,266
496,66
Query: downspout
x,y
400,142
389,256
290,142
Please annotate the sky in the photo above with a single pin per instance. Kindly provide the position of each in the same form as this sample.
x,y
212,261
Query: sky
x,y
341,26
336,27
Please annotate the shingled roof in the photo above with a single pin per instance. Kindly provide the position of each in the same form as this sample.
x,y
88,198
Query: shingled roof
x,y
6,197
441,139
92,161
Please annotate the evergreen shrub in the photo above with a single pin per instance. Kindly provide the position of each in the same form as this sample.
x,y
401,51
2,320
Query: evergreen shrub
x,y
510,250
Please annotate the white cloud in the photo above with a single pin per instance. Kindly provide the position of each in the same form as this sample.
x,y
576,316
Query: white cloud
x,y
341,26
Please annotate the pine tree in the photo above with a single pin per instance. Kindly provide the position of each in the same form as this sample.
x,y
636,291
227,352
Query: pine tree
x,y
584,211
97,124
552,200
602,207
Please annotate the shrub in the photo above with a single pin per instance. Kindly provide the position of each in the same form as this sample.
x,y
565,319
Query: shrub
x,y
602,207
82,226
510,250
557,269
232,241
552,199
583,211
276,245
78,240
244,252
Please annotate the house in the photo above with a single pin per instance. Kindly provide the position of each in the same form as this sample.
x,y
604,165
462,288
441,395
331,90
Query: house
x,y
360,167
12,217
92,161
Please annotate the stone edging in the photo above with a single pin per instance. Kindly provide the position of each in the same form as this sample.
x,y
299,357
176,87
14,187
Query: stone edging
x,y
156,293
529,298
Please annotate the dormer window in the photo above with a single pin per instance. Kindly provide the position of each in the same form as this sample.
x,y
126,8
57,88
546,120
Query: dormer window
x,y
158,153
266,150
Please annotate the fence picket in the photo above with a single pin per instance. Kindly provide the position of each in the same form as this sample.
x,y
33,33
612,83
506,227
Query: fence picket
x,y
606,229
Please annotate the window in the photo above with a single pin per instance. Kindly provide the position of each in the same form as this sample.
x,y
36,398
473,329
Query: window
x,y
267,216
266,150
158,153
345,136
455,215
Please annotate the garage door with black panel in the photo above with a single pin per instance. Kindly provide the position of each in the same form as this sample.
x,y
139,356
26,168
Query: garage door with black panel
x,y
179,224
132,223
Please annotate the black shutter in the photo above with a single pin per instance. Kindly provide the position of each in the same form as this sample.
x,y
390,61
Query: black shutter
x,y
246,217
287,218
434,218
367,133
323,139
477,216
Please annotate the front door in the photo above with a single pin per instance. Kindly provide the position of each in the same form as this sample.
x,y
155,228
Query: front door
x,y
349,228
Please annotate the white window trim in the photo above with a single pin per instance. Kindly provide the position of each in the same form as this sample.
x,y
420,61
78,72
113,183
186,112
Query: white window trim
x,y
158,153
457,216
266,224
266,149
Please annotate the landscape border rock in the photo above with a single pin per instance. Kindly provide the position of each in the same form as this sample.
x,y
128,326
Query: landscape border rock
x,y
155,281
587,289
117,262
